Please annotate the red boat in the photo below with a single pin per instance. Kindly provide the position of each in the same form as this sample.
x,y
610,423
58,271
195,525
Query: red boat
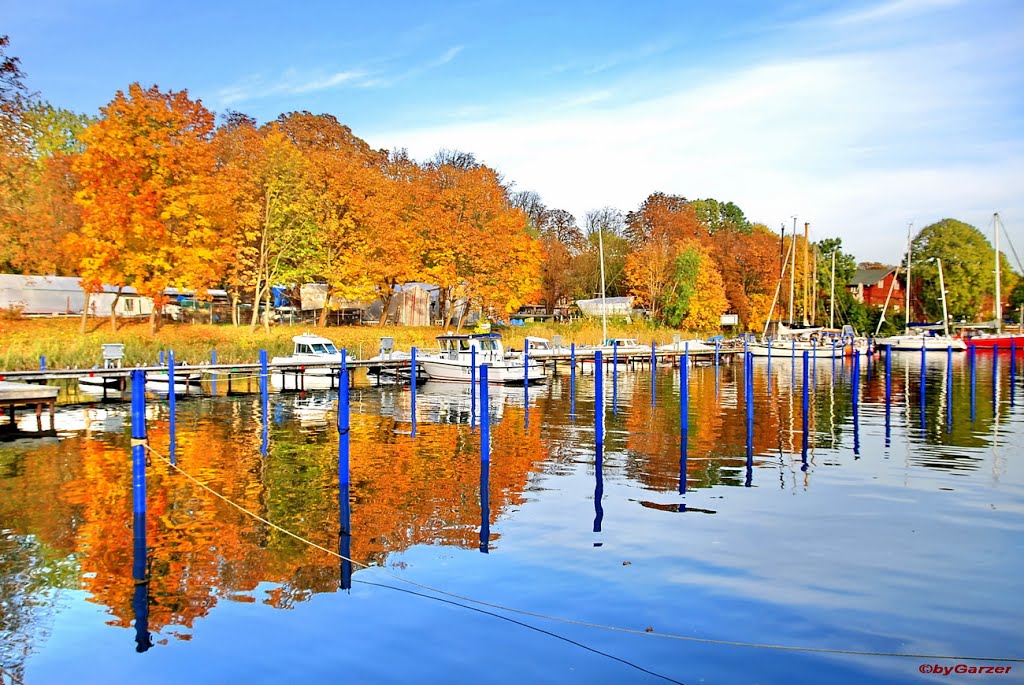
x,y
1005,341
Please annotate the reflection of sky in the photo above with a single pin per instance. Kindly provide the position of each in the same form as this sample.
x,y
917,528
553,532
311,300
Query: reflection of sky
x,y
911,547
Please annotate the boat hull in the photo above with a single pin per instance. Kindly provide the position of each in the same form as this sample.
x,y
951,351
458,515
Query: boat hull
x,y
1004,342
915,343
498,373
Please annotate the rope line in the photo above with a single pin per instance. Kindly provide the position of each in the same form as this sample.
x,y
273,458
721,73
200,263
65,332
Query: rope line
x,y
587,624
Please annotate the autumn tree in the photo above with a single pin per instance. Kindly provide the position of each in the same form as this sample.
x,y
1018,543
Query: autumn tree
x,y
144,178
695,298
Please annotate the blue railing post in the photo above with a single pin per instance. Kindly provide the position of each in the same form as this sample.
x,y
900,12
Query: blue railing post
x,y
172,406
485,416
598,398
344,421
412,388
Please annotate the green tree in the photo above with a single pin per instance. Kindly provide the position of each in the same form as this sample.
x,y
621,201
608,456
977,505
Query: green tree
x,y
968,264
846,267
717,216
1016,301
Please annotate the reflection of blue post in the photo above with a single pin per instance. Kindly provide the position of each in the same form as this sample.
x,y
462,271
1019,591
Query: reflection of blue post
x,y
924,372
949,388
615,376
485,507
806,425
412,388
140,598
974,377
485,416
793,345
172,405
343,420
833,361
814,360
345,534
213,379
472,387
598,398
684,417
526,386
572,382
598,490
140,574
654,367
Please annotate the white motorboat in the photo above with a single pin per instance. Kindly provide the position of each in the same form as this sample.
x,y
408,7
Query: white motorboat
x,y
308,349
185,382
691,346
618,348
454,359
927,339
541,348
827,348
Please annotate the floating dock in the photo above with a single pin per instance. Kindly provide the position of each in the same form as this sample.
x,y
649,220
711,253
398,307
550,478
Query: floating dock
x,y
26,395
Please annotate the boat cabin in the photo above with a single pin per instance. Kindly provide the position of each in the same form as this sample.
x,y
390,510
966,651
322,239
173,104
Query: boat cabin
x,y
308,344
488,345
535,344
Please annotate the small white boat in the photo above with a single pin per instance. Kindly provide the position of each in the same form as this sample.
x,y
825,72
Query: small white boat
x,y
540,348
308,349
620,348
185,382
682,346
104,386
454,359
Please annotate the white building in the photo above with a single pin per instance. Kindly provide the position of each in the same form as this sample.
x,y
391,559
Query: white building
x,y
57,295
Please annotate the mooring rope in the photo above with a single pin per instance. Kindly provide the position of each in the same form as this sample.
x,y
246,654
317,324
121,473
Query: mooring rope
x,y
587,624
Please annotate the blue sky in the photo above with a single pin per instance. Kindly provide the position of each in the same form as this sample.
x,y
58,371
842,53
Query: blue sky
x,y
858,117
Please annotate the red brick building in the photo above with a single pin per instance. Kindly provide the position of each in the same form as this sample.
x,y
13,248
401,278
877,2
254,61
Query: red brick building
x,y
871,286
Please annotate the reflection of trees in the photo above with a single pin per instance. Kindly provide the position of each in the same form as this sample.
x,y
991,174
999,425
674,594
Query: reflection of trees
x,y
405,491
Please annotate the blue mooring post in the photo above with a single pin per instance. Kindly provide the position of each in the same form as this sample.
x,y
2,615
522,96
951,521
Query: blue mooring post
x,y
856,379
598,399
264,392
485,417
923,391
716,352
172,406
344,421
805,409
412,389
161,357
833,361
888,392
748,391
856,404
472,388
654,368
1013,369
949,388
572,382
615,376
971,358
768,385
213,379
995,376
814,362
42,363
139,442
526,386
684,417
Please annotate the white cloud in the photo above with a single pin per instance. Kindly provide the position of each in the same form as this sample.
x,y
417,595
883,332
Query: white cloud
x,y
292,82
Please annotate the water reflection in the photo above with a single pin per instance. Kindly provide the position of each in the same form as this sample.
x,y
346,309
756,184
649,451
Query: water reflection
x,y
432,489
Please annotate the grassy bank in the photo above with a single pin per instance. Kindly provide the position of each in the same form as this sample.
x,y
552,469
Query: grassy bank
x,y
23,341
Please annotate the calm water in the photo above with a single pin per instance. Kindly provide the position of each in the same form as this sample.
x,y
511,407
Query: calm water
x,y
895,531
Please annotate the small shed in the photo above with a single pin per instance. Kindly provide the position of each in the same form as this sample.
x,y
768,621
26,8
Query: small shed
x,y
56,295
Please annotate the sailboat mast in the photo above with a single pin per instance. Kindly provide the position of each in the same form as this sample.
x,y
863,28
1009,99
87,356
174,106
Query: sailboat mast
x,y
942,288
832,295
792,272
910,249
807,250
604,305
999,299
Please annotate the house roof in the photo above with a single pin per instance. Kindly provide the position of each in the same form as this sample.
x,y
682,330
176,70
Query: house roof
x,y
59,283
869,276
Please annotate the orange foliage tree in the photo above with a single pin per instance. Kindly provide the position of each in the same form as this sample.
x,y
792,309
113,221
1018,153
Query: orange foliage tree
x,y
144,178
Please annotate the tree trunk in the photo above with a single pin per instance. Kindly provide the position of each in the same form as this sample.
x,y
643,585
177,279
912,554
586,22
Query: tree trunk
x,y
385,304
113,311
266,314
152,321
257,296
322,322
234,310
85,312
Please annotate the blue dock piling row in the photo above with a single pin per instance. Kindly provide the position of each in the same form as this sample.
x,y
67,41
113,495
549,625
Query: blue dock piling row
x,y
485,417
472,388
344,421
412,388
172,407
139,442
485,507
598,398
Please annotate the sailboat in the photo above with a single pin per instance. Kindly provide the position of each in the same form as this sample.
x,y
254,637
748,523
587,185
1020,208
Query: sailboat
x,y
925,337
989,341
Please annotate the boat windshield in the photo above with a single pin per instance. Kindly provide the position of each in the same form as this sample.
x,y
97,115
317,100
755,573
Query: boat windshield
x,y
488,344
325,348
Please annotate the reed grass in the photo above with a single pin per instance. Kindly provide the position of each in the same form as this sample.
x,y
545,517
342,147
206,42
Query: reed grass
x,y
24,341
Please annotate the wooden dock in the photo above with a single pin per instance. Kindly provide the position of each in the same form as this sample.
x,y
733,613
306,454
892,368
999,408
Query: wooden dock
x,y
26,395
